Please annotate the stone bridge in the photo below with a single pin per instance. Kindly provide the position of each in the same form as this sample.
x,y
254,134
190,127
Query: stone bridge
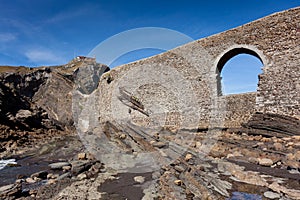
x,y
181,88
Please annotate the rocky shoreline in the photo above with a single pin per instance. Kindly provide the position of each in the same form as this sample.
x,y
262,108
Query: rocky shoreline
x,y
237,165
260,160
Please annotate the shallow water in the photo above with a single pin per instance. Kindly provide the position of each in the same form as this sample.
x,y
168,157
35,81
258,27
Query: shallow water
x,y
26,167
244,196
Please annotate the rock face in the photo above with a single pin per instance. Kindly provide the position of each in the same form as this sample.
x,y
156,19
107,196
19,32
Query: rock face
x,y
271,124
37,100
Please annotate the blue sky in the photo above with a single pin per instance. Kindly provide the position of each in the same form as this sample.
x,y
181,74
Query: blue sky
x,y
35,32
50,32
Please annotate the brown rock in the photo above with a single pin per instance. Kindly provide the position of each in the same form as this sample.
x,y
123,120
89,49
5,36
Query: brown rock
x,y
30,180
178,182
123,136
81,156
292,164
253,160
290,156
297,155
278,146
51,181
265,162
188,157
66,168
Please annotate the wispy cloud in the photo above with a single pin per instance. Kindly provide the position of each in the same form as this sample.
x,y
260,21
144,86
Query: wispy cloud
x,y
70,14
44,57
7,37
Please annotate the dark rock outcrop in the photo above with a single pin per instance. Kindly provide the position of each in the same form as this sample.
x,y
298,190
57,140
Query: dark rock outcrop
x,y
34,101
270,124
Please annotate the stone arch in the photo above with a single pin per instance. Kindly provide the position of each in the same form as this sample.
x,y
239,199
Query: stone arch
x,y
229,54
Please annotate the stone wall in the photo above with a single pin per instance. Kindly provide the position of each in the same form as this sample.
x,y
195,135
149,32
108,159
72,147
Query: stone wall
x,y
185,80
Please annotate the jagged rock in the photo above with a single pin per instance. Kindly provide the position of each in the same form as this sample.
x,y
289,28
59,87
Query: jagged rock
x,y
271,124
10,191
23,114
87,77
80,166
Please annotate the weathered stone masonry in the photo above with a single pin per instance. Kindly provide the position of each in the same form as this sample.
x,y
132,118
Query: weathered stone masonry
x,y
273,39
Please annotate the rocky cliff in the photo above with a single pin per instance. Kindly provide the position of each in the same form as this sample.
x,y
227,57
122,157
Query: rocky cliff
x,y
38,100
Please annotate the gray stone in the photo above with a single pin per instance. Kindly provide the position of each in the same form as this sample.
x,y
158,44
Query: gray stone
x,y
271,195
58,165
65,175
139,179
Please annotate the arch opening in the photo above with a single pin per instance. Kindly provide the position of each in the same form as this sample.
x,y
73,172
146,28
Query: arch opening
x,y
237,71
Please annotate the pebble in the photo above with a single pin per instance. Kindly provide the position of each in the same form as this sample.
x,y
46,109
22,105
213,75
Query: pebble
x,y
297,144
178,182
296,137
30,180
286,139
179,168
81,156
188,157
271,195
122,136
66,168
51,181
265,162
159,144
139,179
82,176
253,160
266,140
278,146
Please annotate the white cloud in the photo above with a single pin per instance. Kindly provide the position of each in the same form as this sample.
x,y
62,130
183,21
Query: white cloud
x,y
43,57
7,37
70,14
